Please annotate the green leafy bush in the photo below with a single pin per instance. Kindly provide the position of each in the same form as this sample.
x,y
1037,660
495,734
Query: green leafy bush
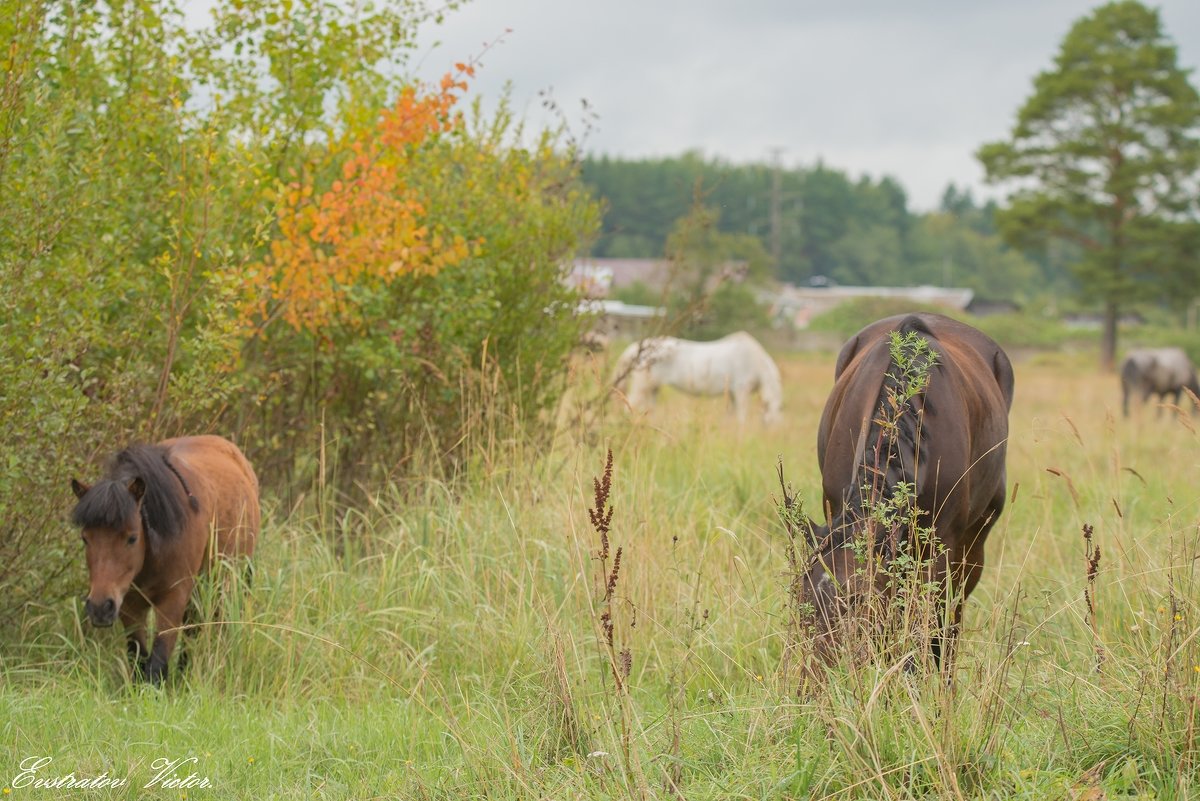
x,y
143,167
439,363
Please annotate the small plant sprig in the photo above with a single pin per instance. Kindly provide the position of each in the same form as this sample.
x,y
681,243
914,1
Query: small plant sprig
x,y
600,516
619,657
1091,555
892,510
796,550
915,358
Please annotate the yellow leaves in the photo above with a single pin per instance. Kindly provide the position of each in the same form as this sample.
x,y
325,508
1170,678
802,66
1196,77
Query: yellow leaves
x,y
366,228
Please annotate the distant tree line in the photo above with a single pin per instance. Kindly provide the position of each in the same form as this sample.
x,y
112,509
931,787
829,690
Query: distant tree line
x,y
853,232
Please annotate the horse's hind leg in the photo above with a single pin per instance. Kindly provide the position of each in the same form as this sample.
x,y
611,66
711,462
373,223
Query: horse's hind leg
x,y
964,570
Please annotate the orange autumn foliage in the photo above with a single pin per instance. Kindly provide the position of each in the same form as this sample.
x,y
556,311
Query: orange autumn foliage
x,y
366,229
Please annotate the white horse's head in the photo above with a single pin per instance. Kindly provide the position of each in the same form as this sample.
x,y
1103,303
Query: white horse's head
x,y
770,388
770,384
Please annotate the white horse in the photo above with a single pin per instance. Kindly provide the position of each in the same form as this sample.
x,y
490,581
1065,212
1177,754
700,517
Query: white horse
x,y
735,365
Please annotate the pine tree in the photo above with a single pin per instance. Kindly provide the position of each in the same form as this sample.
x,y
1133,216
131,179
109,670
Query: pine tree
x,y
1104,155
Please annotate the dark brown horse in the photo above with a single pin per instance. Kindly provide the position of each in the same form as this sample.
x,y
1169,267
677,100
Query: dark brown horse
x,y
152,525
918,417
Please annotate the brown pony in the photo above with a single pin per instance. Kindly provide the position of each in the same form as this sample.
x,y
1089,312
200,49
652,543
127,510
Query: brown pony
x,y
918,415
152,524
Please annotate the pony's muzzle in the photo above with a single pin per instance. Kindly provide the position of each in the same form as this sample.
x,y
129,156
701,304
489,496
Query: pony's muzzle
x,y
102,614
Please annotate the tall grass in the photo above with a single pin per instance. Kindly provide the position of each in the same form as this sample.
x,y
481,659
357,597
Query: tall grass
x,y
445,642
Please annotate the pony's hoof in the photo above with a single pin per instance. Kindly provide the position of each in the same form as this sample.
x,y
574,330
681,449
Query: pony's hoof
x,y
156,674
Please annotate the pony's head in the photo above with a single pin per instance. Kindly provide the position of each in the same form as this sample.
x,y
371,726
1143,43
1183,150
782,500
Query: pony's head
x,y
114,533
141,502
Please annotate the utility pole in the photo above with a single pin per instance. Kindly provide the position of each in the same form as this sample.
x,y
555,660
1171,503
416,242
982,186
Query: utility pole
x,y
777,208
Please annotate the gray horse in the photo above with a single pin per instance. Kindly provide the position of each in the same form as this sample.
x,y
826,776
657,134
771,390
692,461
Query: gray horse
x,y
1160,371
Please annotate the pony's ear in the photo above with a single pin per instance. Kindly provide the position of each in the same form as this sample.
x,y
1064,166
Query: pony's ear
x,y
137,488
79,488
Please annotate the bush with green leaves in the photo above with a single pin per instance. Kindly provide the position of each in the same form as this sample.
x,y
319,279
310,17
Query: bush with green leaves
x,y
439,363
143,164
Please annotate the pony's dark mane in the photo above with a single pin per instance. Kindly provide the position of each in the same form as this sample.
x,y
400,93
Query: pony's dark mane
x,y
110,504
890,450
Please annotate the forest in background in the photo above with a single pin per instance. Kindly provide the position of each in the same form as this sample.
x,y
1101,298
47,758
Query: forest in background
x,y
854,232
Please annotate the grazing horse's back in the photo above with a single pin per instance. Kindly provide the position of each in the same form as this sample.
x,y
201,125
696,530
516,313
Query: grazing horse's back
x,y
228,478
945,438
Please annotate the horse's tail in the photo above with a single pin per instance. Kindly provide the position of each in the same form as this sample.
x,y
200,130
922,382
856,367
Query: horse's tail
x,y
891,447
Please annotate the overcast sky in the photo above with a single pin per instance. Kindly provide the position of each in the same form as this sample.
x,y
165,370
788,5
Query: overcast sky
x,y
907,89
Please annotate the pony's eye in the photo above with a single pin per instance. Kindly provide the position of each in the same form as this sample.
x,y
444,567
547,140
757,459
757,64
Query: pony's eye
x,y
131,540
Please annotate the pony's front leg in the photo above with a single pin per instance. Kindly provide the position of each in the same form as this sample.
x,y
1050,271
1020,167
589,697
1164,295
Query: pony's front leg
x,y
190,629
168,618
133,619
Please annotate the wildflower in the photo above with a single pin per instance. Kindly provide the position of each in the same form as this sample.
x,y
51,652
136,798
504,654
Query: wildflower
x,y
250,760
1178,617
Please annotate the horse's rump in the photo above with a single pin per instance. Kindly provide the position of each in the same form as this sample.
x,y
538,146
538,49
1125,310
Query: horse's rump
x,y
949,442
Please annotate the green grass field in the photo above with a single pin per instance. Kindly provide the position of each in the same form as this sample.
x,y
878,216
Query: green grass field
x,y
448,642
